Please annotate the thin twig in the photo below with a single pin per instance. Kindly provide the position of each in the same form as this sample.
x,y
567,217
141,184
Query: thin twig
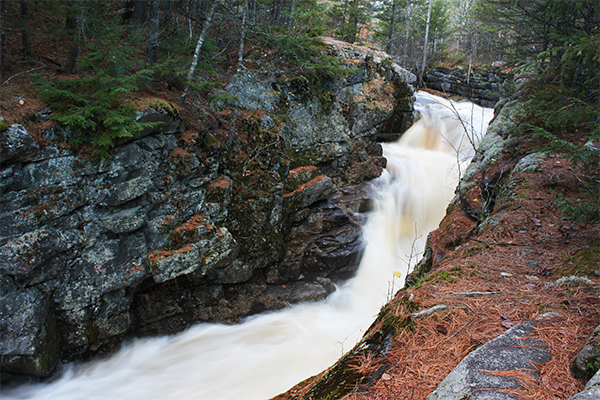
x,y
25,72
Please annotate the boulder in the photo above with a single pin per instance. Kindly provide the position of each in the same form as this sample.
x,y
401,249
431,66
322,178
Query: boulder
x,y
482,87
29,338
587,362
16,141
473,378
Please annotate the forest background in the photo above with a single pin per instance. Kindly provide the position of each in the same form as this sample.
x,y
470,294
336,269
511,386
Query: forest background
x,y
89,60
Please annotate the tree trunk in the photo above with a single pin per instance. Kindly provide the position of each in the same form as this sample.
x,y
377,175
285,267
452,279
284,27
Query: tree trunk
x,y
388,47
243,38
355,22
276,12
408,12
2,39
75,33
239,70
25,27
291,16
425,44
151,55
140,11
198,48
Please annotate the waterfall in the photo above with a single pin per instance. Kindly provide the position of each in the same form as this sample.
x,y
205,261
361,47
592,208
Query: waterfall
x,y
269,353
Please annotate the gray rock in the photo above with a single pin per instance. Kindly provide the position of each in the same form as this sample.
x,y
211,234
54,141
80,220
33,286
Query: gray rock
x,y
509,351
128,190
124,221
163,121
326,283
530,164
587,362
484,88
319,188
267,123
15,142
299,292
589,394
404,74
252,92
234,272
29,341
20,256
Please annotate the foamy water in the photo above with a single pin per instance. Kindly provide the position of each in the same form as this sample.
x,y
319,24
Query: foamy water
x,y
269,353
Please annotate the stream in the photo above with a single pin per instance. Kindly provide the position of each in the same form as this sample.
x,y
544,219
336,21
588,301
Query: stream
x,y
269,353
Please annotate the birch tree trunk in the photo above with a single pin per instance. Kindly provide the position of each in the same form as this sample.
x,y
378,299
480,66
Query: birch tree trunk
x,y
239,70
198,48
243,38
425,44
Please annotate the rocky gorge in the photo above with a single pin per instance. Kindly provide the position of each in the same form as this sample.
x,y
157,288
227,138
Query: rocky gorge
x,y
184,225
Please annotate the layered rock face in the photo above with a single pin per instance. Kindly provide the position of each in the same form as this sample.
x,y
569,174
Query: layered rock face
x,y
481,87
182,226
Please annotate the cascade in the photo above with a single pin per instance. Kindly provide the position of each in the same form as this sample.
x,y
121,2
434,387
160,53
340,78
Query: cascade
x,y
269,353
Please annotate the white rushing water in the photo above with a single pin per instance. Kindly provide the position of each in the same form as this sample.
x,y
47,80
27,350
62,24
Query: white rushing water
x,y
269,353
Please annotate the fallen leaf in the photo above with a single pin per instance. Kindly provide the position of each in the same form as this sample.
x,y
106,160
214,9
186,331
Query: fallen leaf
x,y
442,329
536,222
593,300
529,286
544,272
386,377
504,315
507,324
564,228
398,274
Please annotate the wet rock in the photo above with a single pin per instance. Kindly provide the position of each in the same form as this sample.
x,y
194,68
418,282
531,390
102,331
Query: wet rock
x,y
326,283
306,291
29,340
366,170
203,247
319,188
234,272
404,74
513,350
20,256
300,292
482,87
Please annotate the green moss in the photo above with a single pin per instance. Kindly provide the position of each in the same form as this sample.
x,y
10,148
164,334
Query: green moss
x,y
585,261
93,332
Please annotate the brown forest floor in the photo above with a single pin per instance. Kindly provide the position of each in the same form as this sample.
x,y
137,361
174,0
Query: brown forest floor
x,y
530,247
